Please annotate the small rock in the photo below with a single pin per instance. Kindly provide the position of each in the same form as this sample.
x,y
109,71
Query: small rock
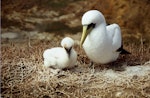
x,y
118,94
9,35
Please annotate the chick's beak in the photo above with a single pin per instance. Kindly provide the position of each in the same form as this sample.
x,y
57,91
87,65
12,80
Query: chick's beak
x,y
68,50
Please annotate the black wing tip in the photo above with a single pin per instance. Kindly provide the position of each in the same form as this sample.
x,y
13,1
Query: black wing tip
x,y
123,51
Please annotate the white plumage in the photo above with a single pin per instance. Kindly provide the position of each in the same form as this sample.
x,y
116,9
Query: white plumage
x,y
102,43
61,57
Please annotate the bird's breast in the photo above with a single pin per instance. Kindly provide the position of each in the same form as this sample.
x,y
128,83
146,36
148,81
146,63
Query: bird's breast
x,y
99,52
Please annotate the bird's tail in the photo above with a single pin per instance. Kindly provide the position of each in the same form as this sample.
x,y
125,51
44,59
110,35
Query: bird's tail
x,y
123,51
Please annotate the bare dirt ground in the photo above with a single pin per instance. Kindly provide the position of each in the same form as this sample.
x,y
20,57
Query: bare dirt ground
x,y
30,27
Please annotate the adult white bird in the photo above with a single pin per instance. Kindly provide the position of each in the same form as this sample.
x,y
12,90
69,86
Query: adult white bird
x,y
61,57
101,43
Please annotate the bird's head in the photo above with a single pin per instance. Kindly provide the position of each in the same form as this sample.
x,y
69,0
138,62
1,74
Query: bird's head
x,y
90,20
67,43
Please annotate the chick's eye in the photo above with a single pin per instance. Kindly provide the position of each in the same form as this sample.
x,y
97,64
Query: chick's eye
x,y
92,25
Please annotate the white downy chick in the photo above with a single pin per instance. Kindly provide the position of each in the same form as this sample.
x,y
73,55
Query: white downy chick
x,y
61,57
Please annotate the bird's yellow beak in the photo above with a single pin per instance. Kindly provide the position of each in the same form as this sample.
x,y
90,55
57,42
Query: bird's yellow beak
x,y
84,35
85,32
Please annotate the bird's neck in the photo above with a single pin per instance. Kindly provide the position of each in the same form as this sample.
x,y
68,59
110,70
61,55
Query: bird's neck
x,y
100,31
98,36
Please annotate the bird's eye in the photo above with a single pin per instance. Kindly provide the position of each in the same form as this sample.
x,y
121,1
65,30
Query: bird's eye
x,y
92,25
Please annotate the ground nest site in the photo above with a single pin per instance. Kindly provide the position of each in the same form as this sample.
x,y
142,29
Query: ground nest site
x,y
22,74
30,27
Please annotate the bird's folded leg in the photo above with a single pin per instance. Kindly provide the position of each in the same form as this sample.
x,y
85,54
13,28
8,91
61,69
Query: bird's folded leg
x,y
91,64
92,67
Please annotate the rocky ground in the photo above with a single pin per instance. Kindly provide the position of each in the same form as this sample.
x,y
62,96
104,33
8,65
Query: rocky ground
x,y
48,16
30,27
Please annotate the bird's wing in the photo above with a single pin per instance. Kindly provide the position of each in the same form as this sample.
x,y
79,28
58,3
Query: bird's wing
x,y
49,57
114,34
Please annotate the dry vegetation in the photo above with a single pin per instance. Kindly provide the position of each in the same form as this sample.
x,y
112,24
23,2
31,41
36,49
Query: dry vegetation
x,y
22,74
